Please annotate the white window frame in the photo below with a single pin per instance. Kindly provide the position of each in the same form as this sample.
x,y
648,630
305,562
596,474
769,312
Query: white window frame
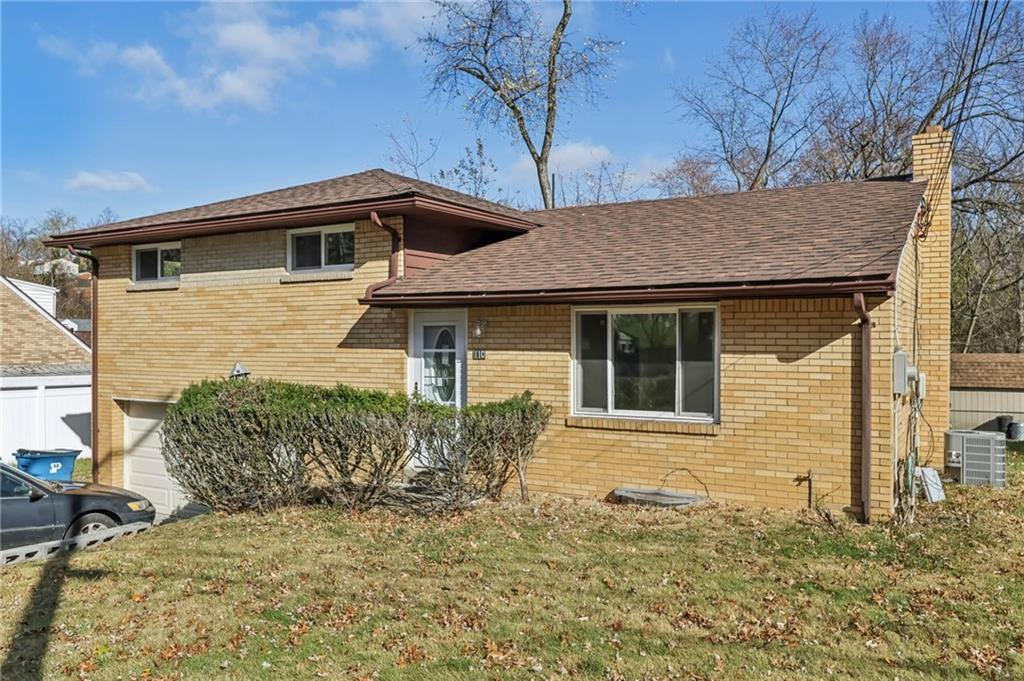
x,y
159,248
610,411
323,230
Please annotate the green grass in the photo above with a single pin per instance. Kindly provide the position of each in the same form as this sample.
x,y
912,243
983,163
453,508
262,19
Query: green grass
x,y
557,587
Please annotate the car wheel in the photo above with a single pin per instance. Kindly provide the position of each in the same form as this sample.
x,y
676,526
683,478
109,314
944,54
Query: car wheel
x,y
89,524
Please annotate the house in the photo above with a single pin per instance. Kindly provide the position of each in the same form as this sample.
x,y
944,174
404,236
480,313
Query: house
x,y
985,386
80,327
64,266
739,343
45,374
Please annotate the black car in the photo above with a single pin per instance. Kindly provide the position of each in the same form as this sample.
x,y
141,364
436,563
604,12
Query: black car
x,y
34,511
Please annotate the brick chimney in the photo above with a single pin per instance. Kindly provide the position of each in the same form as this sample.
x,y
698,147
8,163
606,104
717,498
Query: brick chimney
x,y
932,154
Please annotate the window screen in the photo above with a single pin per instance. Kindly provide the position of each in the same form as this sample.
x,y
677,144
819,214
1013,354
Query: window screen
x,y
146,264
305,251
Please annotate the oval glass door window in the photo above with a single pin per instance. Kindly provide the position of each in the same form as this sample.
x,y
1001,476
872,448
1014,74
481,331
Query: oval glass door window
x,y
439,363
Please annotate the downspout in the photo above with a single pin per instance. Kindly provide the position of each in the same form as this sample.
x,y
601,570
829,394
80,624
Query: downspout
x,y
94,423
396,246
860,307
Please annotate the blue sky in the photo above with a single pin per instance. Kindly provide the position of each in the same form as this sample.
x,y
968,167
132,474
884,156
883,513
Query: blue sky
x,y
149,106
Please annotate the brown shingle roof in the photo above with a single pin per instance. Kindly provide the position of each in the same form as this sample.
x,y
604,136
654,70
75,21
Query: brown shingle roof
x,y
1000,371
365,186
824,232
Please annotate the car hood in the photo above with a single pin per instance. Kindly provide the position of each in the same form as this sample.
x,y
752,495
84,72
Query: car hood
x,y
97,489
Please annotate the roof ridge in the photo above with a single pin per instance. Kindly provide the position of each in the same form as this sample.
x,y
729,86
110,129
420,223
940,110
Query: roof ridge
x,y
244,197
900,177
388,177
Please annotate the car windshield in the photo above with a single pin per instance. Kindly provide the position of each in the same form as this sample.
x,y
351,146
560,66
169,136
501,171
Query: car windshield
x,y
45,484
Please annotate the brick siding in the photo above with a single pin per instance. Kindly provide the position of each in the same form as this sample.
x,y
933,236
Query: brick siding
x,y
790,407
231,307
28,338
789,432
932,160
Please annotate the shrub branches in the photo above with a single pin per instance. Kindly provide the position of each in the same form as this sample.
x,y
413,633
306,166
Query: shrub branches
x,y
260,444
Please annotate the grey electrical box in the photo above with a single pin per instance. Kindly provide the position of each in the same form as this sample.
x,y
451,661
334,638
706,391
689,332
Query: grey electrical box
x,y
976,457
900,373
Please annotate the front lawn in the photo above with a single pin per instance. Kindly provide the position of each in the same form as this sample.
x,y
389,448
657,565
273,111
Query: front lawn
x,y
550,589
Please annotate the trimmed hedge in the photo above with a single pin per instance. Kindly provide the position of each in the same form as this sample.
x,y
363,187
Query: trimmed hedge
x,y
260,444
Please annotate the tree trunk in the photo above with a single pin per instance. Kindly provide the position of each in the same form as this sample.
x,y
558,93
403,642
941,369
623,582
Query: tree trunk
x,y
544,178
521,472
976,312
1020,315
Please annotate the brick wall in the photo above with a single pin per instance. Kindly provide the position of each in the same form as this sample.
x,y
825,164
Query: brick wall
x,y
790,369
28,338
932,158
231,306
790,407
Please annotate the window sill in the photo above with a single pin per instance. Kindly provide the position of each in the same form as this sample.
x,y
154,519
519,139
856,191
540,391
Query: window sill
x,y
318,275
171,285
641,425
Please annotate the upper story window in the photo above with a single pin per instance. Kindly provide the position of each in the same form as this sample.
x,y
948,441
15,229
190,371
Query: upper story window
x,y
322,248
647,362
156,262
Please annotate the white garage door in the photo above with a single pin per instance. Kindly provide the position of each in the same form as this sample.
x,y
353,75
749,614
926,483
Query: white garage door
x,y
144,469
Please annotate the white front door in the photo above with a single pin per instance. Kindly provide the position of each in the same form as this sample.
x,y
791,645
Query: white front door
x,y
438,356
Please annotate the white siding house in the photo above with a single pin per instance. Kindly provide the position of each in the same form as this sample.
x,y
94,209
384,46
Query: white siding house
x,y
45,374
985,387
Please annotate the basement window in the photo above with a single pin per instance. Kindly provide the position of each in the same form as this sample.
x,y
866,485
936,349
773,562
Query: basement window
x,y
156,262
322,248
646,362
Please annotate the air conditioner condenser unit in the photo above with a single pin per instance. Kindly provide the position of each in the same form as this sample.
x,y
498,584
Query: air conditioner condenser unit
x,y
976,457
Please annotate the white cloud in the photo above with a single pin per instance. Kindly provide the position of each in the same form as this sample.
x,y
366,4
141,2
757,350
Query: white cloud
x,y
238,54
88,59
668,60
107,181
396,23
566,159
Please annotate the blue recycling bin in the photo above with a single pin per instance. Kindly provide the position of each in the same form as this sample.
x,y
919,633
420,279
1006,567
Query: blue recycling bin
x,y
48,464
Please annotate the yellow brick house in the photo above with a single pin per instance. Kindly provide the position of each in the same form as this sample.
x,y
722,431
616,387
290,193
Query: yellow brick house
x,y
740,345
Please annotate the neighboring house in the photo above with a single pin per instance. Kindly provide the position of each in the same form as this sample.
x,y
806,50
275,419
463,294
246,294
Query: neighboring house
x,y
45,379
81,328
711,342
65,266
42,295
985,386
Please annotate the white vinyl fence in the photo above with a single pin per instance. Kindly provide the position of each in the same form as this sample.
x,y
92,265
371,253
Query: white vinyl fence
x,y
45,412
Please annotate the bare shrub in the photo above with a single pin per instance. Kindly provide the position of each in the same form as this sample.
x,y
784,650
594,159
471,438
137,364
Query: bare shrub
x,y
257,445
231,446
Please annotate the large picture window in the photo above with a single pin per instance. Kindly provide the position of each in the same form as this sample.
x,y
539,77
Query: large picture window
x,y
322,248
647,362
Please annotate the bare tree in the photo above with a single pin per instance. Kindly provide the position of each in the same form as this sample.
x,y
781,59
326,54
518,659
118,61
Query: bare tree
x,y
864,124
473,174
689,174
23,255
408,155
19,248
604,183
512,70
966,73
759,102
